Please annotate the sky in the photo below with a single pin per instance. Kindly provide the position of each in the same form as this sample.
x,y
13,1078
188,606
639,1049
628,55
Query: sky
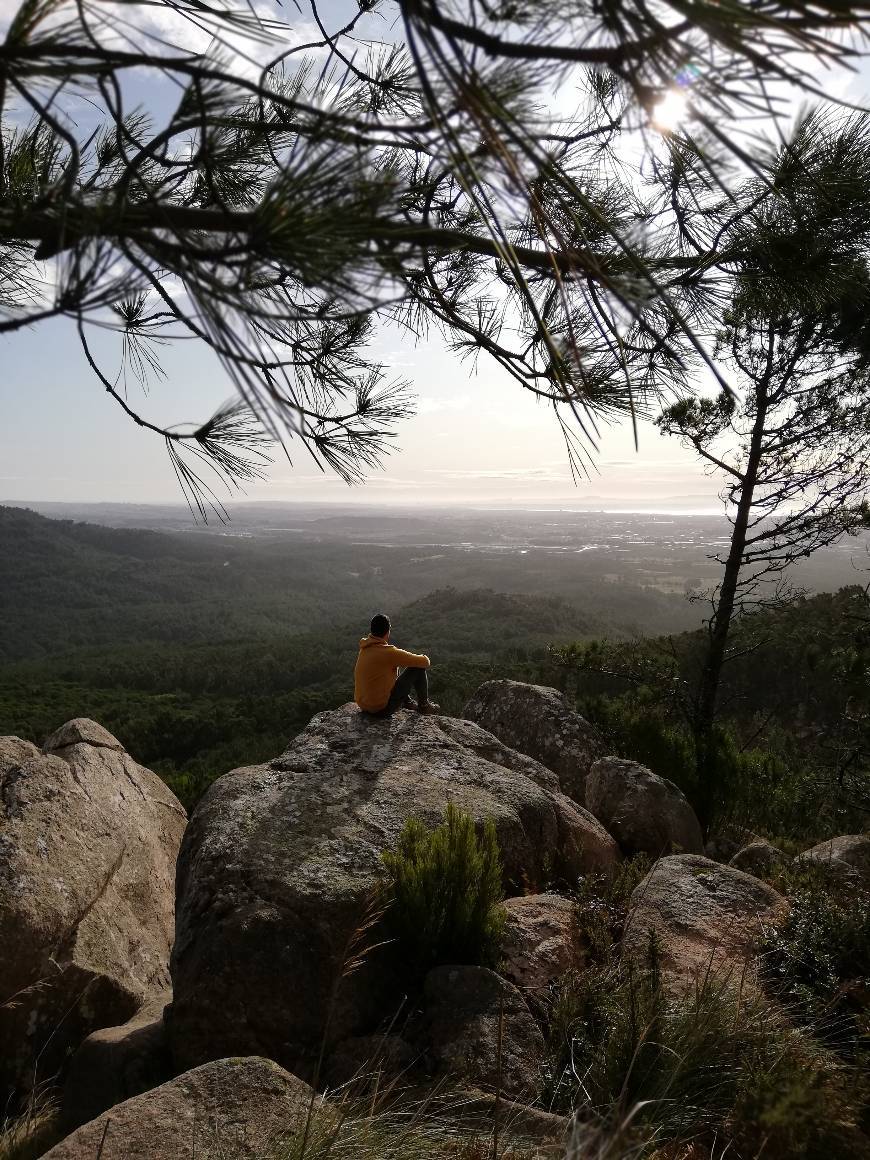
x,y
477,438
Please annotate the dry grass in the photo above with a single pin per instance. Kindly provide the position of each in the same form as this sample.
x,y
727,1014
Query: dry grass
x,y
29,1135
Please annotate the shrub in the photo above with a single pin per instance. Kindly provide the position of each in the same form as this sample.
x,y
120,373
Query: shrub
x,y
445,886
818,961
601,905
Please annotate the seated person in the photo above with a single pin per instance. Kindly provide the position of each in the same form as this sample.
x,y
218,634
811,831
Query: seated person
x,y
378,687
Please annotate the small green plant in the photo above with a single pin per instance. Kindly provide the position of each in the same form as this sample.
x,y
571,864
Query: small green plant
x,y
445,887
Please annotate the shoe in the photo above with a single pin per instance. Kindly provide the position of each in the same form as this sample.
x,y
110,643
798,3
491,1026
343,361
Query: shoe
x,y
409,703
428,707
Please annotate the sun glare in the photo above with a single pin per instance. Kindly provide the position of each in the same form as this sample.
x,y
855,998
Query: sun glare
x,y
669,111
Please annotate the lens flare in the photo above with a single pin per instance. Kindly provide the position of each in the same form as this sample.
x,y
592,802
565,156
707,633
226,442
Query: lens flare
x,y
670,111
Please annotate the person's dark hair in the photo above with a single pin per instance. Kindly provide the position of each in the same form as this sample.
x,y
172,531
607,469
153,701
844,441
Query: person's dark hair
x,y
380,624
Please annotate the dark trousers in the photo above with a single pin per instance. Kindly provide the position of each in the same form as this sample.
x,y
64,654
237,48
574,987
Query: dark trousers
x,y
409,680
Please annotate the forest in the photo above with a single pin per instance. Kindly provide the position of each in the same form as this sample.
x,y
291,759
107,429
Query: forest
x,y
198,667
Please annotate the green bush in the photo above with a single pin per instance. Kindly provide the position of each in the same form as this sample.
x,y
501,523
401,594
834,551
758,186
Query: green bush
x,y
445,887
817,962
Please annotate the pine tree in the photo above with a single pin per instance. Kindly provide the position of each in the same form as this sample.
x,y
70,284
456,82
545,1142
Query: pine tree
x,y
789,430
310,183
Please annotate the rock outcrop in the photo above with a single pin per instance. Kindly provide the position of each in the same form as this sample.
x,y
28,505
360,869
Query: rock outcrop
x,y
852,850
541,940
703,916
281,862
760,858
116,1063
644,812
539,722
239,1108
88,842
480,1030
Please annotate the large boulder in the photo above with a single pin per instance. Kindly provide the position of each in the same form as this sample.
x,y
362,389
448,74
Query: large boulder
x,y
116,1063
541,940
239,1108
848,850
479,1029
703,917
88,842
281,864
644,812
539,722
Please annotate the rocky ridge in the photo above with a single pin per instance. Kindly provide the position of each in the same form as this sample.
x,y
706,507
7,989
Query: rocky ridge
x,y
277,887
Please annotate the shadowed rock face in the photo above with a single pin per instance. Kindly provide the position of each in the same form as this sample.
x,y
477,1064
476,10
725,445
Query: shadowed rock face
x,y
281,861
88,842
116,1063
539,722
239,1108
760,858
705,917
479,1029
644,812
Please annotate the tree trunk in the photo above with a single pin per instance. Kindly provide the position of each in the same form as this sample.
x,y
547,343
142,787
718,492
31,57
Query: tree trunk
x,y
720,624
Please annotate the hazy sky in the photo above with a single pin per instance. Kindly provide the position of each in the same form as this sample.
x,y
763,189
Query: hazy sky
x,y
477,437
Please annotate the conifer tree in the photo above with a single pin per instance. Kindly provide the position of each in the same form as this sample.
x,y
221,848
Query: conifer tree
x,y
304,182
789,430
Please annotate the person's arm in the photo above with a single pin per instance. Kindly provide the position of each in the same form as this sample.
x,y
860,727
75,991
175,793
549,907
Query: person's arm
x,y
409,660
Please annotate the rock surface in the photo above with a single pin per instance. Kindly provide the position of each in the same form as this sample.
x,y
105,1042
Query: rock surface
x,y
539,722
760,859
280,863
464,1008
644,812
116,1063
540,940
705,916
88,842
851,849
238,1108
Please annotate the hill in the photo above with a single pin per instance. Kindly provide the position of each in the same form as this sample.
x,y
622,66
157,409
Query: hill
x,y
67,585
202,651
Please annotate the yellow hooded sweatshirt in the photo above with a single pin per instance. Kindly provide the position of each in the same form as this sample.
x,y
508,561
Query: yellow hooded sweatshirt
x,y
377,668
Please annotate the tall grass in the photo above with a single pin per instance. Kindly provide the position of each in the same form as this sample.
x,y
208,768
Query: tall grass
x,y
30,1134
718,1070
433,1128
